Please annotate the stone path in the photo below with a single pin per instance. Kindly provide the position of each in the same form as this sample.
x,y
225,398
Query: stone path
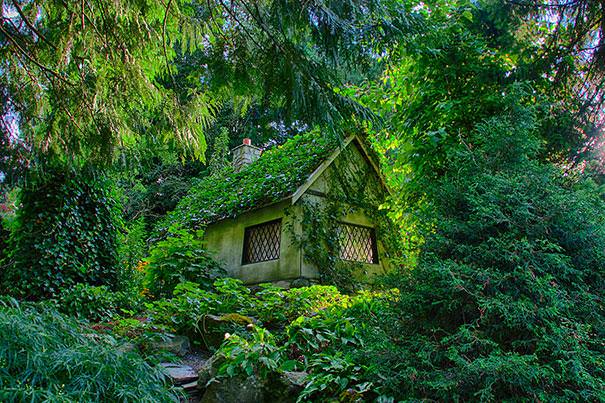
x,y
179,374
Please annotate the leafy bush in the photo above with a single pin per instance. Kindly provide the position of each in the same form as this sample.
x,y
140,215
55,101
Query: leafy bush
x,y
65,234
185,311
191,308
4,235
256,355
96,303
276,307
47,356
273,306
131,252
336,376
309,300
330,344
180,258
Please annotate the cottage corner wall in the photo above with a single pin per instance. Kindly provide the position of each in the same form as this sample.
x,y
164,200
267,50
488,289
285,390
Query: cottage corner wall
x,y
351,160
225,240
357,217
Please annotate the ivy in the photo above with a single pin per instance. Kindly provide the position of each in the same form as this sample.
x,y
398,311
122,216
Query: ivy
x,y
354,187
65,233
276,175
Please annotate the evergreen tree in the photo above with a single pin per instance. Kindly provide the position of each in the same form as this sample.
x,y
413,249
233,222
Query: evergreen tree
x,y
506,299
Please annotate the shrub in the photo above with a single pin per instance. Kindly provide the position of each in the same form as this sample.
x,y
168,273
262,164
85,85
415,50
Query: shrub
x,y
96,303
273,306
4,235
47,356
256,355
187,312
309,300
132,250
65,234
330,344
180,258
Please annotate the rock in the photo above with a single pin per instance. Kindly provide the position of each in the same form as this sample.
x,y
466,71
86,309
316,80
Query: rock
x,y
235,318
209,370
278,388
239,389
282,284
178,345
288,386
300,282
214,327
127,347
190,386
294,378
179,374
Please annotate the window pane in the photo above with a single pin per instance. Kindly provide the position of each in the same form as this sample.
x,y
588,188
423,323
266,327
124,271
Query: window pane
x,y
261,242
357,243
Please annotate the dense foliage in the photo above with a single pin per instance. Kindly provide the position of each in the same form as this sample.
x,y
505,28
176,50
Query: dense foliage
x,y
230,306
506,300
180,258
65,233
95,303
96,81
47,356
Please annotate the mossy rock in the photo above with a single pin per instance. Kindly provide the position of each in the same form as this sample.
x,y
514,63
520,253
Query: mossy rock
x,y
214,327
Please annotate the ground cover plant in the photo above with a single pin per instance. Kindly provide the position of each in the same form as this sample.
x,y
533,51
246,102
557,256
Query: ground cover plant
x,y
47,356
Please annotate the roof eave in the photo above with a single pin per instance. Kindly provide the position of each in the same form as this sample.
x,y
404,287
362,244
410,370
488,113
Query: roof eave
x,y
240,213
319,170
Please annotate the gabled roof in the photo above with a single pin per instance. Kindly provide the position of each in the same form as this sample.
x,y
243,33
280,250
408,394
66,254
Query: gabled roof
x,y
280,173
325,164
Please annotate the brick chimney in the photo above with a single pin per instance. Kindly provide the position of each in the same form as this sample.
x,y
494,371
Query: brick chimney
x,y
244,155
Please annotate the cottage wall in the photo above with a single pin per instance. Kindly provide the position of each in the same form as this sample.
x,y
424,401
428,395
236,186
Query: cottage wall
x,y
356,217
225,240
352,165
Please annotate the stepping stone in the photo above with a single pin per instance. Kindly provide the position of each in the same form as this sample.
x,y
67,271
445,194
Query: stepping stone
x,y
190,386
178,373
178,345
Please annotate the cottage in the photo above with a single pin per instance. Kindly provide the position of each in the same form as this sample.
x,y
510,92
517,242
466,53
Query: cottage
x,y
294,211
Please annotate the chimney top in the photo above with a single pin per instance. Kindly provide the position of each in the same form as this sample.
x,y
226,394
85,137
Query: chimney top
x,y
245,154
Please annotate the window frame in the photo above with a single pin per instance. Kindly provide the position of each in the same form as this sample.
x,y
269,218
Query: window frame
x,y
246,245
373,240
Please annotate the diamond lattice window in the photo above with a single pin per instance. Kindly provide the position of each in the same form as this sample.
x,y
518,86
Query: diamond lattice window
x,y
261,242
357,243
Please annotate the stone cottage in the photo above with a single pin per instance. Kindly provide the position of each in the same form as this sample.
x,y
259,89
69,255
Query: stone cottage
x,y
257,217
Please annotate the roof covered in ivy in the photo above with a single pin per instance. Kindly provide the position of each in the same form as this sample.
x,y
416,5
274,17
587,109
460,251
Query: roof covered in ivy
x,y
275,176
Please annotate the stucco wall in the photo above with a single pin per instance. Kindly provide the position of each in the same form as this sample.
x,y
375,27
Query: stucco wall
x,y
353,166
355,216
225,240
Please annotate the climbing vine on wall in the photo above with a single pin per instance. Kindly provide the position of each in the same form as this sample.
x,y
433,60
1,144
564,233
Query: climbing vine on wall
x,y
353,187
